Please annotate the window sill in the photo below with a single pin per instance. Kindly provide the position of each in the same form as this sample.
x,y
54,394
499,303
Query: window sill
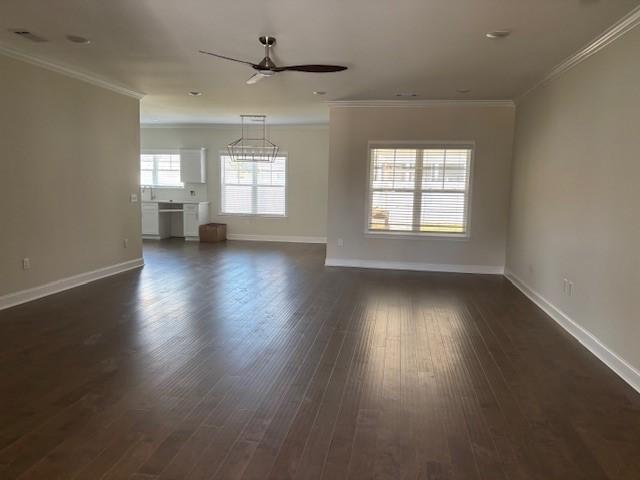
x,y
259,215
418,236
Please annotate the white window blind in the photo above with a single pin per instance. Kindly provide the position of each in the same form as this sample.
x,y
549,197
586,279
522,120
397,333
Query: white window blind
x,y
253,188
160,169
419,190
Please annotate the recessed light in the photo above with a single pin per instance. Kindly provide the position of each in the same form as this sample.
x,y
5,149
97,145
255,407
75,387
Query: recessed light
x,y
319,92
497,34
406,94
463,90
28,35
78,39
193,93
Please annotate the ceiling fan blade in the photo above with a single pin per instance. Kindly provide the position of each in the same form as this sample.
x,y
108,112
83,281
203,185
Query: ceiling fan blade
x,y
227,58
255,78
311,68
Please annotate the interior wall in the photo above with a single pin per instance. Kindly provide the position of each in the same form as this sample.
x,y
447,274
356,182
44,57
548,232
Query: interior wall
x,y
69,163
351,128
307,147
574,211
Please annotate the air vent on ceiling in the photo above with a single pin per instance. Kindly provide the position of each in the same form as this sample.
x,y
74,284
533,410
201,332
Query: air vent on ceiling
x,y
28,35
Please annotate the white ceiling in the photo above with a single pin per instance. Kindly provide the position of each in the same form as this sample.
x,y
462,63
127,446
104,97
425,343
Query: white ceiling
x,y
430,47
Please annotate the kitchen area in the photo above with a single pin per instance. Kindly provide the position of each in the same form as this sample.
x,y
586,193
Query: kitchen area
x,y
173,192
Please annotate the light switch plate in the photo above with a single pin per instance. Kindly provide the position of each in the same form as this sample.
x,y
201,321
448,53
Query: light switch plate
x,y
133,198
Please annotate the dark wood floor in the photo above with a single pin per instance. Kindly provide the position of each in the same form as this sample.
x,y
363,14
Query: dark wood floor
x,y
254,361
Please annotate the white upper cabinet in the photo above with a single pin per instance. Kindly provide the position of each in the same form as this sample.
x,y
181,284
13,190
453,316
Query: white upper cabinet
x,y
193,165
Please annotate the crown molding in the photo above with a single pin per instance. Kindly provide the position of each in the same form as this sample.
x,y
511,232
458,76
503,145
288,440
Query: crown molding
x,y
188,125
419,103
233,125
610,35
69,72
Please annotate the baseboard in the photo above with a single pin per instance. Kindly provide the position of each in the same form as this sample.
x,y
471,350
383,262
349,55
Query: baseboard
x,y
616,363
50,288
415,266
276,238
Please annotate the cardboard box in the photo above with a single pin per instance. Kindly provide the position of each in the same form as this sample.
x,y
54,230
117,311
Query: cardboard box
x,y
213,232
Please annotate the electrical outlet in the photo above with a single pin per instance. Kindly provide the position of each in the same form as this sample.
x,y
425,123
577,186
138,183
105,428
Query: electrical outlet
x,y
340,242
26,264
570,288
565,286
125,242
133,198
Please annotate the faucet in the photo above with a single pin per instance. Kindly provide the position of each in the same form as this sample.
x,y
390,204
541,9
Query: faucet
x,y
152,195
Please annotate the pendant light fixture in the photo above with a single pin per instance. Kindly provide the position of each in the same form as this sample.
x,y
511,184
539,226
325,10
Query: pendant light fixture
x,y
253,145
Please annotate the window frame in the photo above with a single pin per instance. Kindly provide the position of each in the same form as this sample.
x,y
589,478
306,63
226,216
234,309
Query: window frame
x,y
399,144
224,153
154,172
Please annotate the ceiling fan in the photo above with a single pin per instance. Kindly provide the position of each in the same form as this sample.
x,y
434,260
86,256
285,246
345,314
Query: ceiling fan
x,y
266,67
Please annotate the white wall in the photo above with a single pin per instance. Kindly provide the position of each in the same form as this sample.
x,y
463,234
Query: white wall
x,y
69,160
307,148
351,128
575,207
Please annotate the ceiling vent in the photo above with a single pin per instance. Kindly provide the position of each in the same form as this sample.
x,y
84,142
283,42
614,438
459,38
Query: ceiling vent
x,y
28,35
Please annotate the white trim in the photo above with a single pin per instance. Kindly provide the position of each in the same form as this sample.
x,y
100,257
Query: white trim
x,y
70,72
233,125
415,266
162,151
420,103
399,235
425,144
56,286
610,35
280,153
616,363
440,144
276,238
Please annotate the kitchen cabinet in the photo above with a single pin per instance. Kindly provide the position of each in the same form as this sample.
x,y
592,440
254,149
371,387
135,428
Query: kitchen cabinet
x,y
193,165
150,221
173,219
190,222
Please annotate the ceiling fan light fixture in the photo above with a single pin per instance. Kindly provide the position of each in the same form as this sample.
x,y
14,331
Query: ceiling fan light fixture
x,y
253,146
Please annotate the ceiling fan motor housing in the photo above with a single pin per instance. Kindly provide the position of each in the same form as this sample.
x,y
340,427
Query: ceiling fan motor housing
x,y
266,64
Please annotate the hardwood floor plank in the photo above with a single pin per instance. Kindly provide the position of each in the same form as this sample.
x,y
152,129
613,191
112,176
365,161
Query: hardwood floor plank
x,y
255,361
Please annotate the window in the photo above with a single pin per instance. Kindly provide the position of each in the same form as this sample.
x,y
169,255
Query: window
x,y
419,190
253,188
160,169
